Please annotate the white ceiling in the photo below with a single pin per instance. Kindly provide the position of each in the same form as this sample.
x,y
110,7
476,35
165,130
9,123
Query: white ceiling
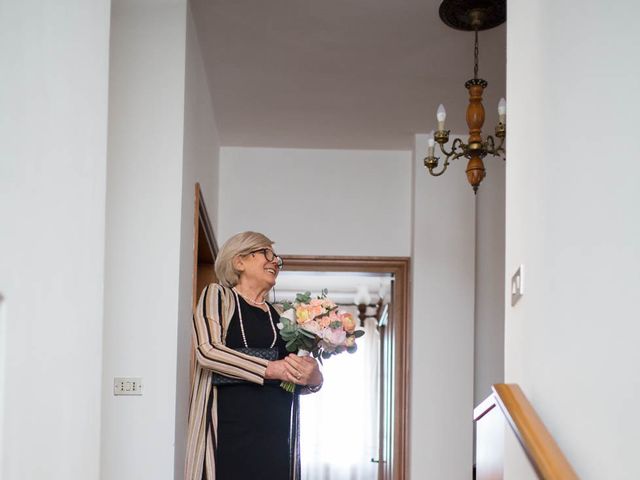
x,y
361,74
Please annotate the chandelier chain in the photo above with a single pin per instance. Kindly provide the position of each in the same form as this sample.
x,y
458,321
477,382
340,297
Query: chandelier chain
x,y
475,57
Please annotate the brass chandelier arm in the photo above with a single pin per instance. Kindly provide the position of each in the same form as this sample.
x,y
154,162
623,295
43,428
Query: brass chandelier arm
x,y
444,169
458,149
458,155
457,143
491,148
450,156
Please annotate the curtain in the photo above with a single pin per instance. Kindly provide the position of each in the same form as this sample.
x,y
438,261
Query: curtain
x,y
339,424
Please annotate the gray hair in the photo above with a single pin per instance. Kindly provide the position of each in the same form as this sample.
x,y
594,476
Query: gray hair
x,y
238,245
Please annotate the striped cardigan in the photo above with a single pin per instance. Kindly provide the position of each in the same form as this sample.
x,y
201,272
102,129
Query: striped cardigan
x,y
209,330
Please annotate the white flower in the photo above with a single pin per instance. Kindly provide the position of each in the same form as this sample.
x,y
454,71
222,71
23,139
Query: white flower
x,y
312,326
290,314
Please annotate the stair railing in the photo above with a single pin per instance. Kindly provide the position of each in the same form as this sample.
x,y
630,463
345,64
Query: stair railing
x,y
545,457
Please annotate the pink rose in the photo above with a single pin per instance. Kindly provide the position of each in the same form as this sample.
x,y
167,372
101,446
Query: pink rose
x,y
325,321
328,304
315,310
333,338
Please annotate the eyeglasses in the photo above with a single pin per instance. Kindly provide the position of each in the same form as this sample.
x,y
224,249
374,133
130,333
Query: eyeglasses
x,y
269,256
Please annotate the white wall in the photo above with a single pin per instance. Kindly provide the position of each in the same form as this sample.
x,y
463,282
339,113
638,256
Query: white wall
x,y
489,307
443,322
318,202
201,149
572,220
143,236
3,360
52,196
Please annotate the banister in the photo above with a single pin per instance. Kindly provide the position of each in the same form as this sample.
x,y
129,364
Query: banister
x,y
540,447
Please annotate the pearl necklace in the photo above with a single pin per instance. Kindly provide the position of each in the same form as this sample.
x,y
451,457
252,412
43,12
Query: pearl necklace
x,y
244,338
253,302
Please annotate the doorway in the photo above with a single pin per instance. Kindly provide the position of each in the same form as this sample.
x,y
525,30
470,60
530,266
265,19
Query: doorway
x,y
391,460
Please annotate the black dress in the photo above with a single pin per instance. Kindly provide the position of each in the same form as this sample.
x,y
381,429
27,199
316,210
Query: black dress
x,y
254,421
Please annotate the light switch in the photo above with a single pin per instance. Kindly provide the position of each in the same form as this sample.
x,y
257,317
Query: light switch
x,y
517,285
127,386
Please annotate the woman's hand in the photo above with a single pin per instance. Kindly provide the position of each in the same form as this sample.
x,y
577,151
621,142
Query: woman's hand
x,y
276,370
302,370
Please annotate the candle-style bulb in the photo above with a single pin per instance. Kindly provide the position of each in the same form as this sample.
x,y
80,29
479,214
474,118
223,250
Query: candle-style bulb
x,y
431,145
362,296
502,110
441,115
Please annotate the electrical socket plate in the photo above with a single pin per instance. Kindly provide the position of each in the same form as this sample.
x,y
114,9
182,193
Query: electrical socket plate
x,y
127,386
517,285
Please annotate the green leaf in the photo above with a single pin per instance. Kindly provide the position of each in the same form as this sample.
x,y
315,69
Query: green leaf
x,y
307,333
303,297
358,333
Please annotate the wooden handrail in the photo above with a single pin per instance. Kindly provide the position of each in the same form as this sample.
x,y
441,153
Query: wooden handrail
x,y
544,454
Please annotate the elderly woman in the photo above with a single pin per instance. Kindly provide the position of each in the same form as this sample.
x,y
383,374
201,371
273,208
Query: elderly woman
x,y
240,419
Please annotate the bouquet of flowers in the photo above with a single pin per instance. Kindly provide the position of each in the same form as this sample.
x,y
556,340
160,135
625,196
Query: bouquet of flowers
x,y
315,326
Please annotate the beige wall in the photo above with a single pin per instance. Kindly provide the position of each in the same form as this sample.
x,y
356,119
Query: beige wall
x,y
489,282
53,153
143,237
201,162
572,220
443,271
322,202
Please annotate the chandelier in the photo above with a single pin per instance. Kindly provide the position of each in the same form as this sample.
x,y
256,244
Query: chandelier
x,y
470,15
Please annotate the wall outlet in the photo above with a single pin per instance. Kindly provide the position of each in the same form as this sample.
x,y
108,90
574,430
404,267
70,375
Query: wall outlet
x,y
127,386
517,285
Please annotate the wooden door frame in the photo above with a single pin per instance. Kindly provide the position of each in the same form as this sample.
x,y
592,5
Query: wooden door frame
x,y
399,329
203,236
205,251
